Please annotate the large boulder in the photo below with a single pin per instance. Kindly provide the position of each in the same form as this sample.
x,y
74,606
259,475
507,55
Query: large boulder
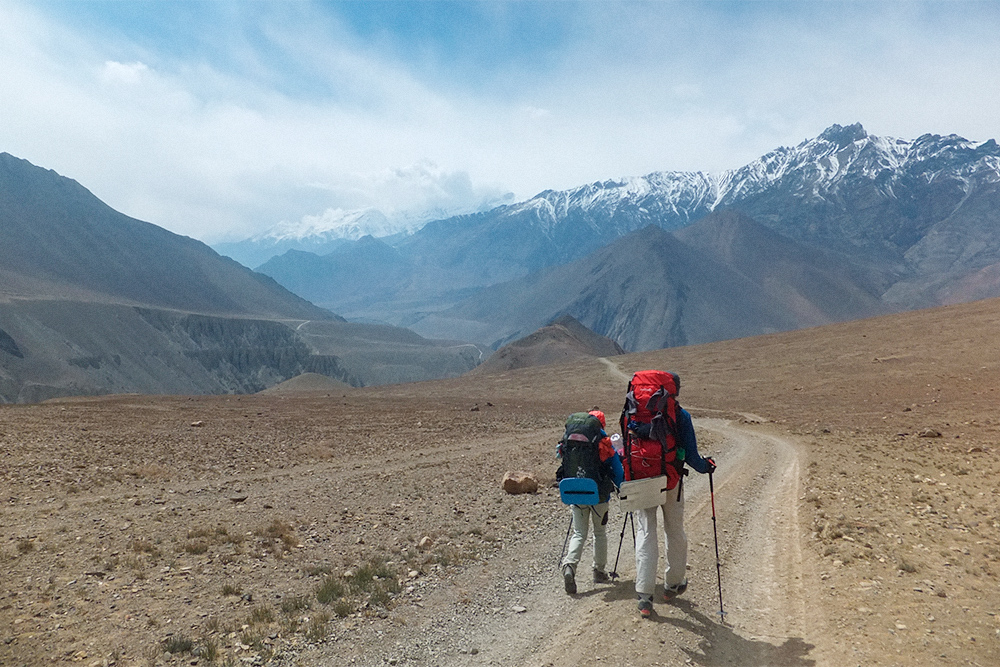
x,y
519,482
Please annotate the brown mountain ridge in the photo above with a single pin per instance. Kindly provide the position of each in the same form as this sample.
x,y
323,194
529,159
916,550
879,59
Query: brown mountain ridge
x,y
562,340
723,277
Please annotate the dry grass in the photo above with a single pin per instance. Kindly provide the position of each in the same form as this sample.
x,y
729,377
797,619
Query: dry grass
x,y
278,537
373,583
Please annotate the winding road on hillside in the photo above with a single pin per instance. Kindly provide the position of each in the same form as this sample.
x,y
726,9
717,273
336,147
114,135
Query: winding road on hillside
x,y
512,610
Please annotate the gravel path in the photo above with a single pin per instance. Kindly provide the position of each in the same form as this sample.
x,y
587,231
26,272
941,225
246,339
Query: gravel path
x,y
511,610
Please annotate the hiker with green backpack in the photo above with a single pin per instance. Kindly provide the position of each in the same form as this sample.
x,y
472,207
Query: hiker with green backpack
x,y
589,471
659,440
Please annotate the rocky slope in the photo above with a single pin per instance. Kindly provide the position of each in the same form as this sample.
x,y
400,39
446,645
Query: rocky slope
x,y
57,240
723,277
93,302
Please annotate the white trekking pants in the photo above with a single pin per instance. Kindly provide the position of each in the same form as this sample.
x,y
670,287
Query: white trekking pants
x,y
647,552
583,515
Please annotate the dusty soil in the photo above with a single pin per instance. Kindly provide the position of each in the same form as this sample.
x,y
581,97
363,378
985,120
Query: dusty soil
x,y
857,504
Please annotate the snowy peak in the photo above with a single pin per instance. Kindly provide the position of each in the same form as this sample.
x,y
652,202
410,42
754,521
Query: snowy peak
x,y
817,168
815,171
844,136
329,230
613,208
814,167
332,223
340,224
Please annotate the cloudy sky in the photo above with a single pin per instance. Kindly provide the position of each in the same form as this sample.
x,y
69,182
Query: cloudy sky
x,y
218,119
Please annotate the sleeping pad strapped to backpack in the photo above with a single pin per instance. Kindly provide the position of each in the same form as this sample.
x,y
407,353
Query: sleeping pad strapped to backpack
x,y
580,447
649,425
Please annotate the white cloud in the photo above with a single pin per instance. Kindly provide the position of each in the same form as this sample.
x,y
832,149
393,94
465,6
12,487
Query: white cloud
x,y
122,73
230,144
409,192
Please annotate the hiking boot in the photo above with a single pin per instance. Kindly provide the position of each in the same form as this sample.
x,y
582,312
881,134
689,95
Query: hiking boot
x,y
645,605
569,579
601,577
670,592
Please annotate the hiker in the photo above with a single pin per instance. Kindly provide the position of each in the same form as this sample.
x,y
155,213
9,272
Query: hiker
x,y
609,475
680,447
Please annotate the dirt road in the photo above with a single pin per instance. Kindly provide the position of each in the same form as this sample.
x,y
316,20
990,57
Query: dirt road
x,y
512,610
229,545
858,522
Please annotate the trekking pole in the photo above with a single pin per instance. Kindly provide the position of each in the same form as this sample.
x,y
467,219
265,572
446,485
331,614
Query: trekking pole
x,y
566,541
718,562
621,538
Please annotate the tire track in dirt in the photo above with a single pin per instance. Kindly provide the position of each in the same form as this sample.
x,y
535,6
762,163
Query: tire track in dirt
x,y
767,581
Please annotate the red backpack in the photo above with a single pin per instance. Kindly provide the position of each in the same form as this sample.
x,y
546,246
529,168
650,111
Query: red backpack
x,y
651,441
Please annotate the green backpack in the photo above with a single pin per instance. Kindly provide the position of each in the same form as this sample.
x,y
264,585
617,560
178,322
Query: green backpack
x,y
580,449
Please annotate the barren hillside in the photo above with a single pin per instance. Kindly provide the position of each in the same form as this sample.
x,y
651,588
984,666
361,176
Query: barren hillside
x,y
94,302
856,496
560,341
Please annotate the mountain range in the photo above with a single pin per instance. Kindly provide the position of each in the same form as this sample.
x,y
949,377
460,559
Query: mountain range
x,y
911,224
724,277
324,233
843,226
93,301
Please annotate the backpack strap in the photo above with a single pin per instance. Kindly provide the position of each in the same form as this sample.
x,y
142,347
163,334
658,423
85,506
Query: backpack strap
x,y
627,409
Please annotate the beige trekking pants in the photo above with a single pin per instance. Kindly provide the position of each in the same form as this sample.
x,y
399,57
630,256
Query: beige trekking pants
x,y
647,551
583,516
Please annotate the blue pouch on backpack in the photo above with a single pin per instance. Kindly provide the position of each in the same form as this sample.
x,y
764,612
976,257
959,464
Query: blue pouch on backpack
x,y
579,491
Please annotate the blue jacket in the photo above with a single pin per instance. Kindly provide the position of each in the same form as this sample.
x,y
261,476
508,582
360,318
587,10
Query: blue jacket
x,y
687,440
617,470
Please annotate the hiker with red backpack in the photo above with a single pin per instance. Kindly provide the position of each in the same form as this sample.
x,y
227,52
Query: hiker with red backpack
x,y
659,441
587,457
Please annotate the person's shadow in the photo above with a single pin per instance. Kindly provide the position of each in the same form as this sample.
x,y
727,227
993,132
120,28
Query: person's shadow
x,y
720,645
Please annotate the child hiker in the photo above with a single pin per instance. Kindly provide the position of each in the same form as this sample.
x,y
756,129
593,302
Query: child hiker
x,y
606,470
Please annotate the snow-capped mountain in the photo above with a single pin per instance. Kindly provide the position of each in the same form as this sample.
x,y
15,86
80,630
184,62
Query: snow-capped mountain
x,y
335,223
860,193
845,188
837,169
817,168
925,213
674,198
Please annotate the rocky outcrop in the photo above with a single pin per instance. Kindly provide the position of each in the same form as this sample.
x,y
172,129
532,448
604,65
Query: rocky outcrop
x,y
53,349
245,356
